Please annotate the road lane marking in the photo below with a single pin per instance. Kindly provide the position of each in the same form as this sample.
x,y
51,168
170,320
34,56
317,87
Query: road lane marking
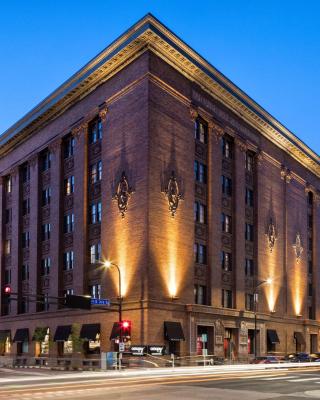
x,y
280,377
304,379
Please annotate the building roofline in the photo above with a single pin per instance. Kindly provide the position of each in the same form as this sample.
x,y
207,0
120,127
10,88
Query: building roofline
x,y
149,31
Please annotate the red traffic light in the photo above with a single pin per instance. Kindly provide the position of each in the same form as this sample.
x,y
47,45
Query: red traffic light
x,y
125,324
7,290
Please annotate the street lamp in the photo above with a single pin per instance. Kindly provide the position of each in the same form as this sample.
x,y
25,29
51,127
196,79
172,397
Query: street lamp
x,y
108,264
255,298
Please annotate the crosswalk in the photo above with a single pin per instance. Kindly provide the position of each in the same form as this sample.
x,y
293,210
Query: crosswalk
x,y
307,378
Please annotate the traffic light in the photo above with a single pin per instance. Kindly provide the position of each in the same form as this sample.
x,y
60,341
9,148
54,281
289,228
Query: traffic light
x,y
73,301
125,327
7,292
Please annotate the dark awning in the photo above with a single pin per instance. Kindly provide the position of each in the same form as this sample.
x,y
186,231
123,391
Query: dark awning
x,y
173,331
62,333
299,338
272,336
115,333
89,331
21,335
4,335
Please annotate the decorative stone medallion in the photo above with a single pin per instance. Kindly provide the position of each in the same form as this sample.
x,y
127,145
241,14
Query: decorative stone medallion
x,y
173,194
123,194
271,234
297,246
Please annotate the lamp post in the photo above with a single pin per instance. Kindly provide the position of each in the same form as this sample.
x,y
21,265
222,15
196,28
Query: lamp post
x,y
255,300
109,264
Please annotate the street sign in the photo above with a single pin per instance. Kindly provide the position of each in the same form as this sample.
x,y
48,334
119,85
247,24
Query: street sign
x,y
121,347
100,302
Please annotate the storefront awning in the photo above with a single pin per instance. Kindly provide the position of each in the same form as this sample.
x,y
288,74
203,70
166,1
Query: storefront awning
x,y
115,333
299,338
4,335
21,335
272,336
173,331
62,333
89,331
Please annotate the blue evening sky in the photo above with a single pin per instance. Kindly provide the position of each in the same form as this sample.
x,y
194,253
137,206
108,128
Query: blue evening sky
x,y
269,48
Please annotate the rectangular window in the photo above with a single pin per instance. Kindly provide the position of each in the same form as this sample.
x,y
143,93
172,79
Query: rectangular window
x,y
45,266
68,223
310,289
226,222
95,253
310,221
69,146
95,291
200,253
26,207
200,212
199,294
95,131
8,215
226,147
249,232
24,305
7,276
226,261
25,272
201,131
25,173
8,184
310,267
200,172
249,267
46,196
226,298
45,161
249,197
226,184
25,242
95,212
69,185
68,260
7,247
249,162
45,231
249,302
96,172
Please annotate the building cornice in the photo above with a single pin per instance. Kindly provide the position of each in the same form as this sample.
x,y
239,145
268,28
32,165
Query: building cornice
x,y
150,34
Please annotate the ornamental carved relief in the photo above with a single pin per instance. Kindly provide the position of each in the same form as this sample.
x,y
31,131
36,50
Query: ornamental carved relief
x,y
173,193
123,194
271,234
297,246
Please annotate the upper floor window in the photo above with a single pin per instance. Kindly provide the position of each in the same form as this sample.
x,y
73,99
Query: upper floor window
x,y
200,294
95,253
25,172
249,162
45,231
249,267
226,298
200,212
8,184
310,198
45,161
200,172
7,276
69,146
25,272
8,215
68,260
226,147
249,197
201,131
95,172
46,196
69,185
95,291
249,232
95,212
68,223
249,302
226,184
95,131
226,222
25,240
310,221
45,266
226,261
200,253
26,207
7,247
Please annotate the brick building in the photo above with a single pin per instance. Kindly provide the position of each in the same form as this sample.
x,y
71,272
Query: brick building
x,y
151,158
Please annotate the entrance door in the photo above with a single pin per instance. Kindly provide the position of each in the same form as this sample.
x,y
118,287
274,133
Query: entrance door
x,y
313,343
230,344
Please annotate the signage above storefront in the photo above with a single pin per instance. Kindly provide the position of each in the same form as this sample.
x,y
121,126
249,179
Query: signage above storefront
x,y
153,350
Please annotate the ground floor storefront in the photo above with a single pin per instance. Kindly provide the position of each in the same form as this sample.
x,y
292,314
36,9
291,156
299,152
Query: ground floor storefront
x,y
156,330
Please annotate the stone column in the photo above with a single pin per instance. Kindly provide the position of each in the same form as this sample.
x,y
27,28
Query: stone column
x,y
214,210
2,222
56,208
80,206
15,237
35,244
239,190
316,254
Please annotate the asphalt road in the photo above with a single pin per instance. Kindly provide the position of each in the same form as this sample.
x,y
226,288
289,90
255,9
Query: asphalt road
x,y
255,385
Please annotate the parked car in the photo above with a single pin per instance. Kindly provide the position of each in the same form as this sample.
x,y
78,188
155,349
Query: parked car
x,y
266,360
315,357
298,357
